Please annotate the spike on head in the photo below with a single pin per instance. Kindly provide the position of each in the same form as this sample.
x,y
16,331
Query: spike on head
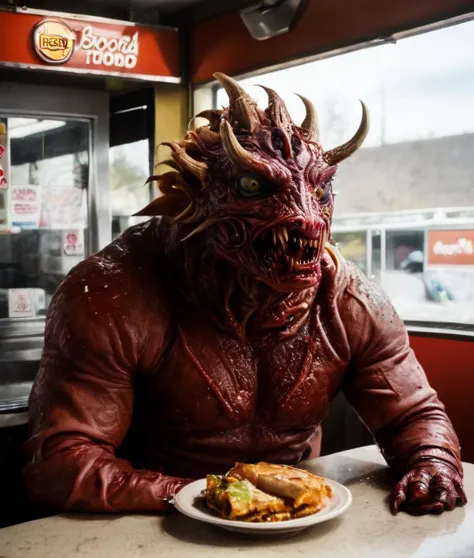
x,y
310,123
214,117
267,204
277,111
236,153
338,154
186,162
243,109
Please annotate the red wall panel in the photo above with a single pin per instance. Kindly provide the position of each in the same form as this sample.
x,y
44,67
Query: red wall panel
x,y
223,44
449,365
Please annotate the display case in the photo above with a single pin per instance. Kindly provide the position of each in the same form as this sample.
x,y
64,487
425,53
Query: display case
x,y
54,211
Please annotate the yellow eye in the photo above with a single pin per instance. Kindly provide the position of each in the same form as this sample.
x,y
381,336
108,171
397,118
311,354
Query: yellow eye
x,y
249,186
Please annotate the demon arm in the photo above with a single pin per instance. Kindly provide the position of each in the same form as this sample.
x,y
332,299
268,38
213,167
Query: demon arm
x,y
81,405
391,394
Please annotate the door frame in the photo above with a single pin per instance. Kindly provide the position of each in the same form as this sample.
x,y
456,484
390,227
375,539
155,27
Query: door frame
x,y
81,104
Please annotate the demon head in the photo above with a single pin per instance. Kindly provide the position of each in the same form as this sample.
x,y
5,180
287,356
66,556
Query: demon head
x,y
255,188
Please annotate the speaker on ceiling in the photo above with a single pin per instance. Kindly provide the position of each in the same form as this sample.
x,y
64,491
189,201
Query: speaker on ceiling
x,y
271,18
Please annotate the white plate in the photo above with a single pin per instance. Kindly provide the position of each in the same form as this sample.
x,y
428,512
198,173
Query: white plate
x,y
189,502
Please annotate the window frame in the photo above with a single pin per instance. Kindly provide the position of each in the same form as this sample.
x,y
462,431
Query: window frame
x,y
204,96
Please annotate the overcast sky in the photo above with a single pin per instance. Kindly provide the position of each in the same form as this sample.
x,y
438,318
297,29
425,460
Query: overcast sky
x,y
424,87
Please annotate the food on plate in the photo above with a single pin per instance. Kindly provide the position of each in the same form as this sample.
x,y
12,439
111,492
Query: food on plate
x,y
265,492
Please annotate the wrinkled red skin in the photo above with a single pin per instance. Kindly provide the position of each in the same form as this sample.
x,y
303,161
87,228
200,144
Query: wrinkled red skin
x,y
130,371
167,360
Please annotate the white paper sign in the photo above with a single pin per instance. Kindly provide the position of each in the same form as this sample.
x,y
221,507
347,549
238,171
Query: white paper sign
x,y
73,243
63,208
21,303
25,206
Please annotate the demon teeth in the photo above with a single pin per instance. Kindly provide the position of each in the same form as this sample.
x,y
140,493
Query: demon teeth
x,y
274,237
285,233
281,236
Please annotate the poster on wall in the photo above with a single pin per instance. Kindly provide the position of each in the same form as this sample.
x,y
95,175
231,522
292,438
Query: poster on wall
x,y
21,303
25,206
4,162
63,208
73,243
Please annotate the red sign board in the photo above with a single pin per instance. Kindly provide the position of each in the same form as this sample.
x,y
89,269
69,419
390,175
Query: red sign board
x,y
451,247
89,47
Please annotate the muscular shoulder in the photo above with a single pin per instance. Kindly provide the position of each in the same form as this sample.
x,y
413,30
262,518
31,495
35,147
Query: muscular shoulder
x,y
370,321
365,294
113,297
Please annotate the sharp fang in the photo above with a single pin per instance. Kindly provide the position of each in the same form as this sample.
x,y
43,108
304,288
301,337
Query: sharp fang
x,y
274,237
285,233
281,236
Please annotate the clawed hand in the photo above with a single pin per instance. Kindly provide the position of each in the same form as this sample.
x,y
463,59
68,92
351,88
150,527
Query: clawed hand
x,y
429,487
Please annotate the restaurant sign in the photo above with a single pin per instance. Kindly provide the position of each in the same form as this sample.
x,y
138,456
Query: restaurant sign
x,y
450,247
55,43
89,47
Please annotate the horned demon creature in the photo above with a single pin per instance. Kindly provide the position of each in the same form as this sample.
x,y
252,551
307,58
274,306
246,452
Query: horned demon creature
x,y
221,329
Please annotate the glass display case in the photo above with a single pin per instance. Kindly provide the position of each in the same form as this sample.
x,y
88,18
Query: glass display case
x,y
53,143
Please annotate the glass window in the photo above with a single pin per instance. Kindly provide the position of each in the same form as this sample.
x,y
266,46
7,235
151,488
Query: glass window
x,y
129,171
353,246
44,177
413,177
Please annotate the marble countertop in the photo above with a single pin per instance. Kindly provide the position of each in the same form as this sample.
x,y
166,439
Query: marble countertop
x,y
366,530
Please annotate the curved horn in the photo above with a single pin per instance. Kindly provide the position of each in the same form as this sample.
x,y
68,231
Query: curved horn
x,y
214,117
196,168
277,110
208,136
311,121
243,108
338,154
169,163
236,153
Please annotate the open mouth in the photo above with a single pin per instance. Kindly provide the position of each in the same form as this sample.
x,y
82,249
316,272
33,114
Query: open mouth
x,y
289,250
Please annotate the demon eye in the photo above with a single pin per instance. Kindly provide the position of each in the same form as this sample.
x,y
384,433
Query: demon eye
x,y
324,191
250,186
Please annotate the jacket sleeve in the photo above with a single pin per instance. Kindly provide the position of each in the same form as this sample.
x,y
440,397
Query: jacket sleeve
x,y
82,400
387,386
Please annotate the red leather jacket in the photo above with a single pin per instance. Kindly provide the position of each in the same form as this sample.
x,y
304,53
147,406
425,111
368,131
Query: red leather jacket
x,y
138,391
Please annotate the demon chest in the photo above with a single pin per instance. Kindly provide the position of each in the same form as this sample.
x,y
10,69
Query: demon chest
x,y
212,381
